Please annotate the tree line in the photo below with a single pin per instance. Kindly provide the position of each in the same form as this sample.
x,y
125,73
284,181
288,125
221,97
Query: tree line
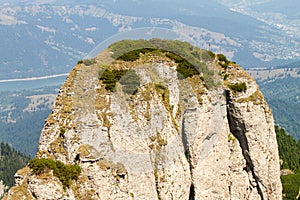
x,y
10,161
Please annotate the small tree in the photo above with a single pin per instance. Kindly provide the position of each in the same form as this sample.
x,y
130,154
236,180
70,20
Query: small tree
x,y
238,87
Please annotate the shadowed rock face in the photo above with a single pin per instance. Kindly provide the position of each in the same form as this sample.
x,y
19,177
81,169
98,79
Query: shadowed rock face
x,y
173,137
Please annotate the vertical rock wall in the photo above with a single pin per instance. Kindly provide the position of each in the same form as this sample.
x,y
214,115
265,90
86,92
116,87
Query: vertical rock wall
x,y
173,139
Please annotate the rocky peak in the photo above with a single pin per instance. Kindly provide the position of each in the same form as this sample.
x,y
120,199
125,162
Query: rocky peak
x,y
155,120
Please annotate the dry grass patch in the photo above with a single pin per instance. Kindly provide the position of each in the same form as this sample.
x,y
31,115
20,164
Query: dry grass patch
x,y
198,87
20,192
257,98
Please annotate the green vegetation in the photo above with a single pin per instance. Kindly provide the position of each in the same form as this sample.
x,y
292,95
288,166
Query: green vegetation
x,y
10,161
130,82
65,173
231,138
163,90
289,150
211,54
289,153
193,56
135,54
62,131
108,79
238,87
122,47
127,78
283,96
184,68
222,57
223,61
87,62
130,56
22,129
291,186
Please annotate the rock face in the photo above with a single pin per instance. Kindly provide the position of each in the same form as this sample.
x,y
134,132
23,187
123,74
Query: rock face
x,y
2,188
180,133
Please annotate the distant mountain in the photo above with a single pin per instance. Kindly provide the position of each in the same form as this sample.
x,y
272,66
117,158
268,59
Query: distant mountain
x,y
293,65
280,16
48,37
289,8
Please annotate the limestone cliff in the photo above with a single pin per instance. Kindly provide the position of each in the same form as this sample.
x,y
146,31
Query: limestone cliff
x,y
157,120
2,188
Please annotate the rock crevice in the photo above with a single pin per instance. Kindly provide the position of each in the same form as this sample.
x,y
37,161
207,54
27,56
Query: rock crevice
x,y
172,138
238,129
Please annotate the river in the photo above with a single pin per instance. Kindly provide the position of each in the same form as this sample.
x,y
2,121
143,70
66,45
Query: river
x,y
32,83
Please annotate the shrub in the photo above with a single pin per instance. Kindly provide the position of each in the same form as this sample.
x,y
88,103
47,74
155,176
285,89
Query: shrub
x,y
224,64
182,49
212,54
62,131
65,173
222,57
175,57
135,54
124,46
87,62
184,68
291,184
130,56
129,80
223,61
109,80
238,87
118,74
207,56
162,89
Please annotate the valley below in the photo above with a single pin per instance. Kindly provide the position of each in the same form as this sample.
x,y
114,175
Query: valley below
x,y
42,42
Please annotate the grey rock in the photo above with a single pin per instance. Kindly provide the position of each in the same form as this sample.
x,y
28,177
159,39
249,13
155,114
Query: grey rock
x,y
173,139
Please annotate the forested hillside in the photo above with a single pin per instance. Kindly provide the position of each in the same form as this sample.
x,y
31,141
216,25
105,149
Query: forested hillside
x,y
289,153
283,96
281,88
22,116
10,161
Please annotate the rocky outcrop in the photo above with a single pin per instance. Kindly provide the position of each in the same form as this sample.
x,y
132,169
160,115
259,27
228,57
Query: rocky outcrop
x,y
2,188
176,137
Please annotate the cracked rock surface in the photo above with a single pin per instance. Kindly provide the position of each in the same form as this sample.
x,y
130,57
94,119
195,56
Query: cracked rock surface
x,y
172,139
